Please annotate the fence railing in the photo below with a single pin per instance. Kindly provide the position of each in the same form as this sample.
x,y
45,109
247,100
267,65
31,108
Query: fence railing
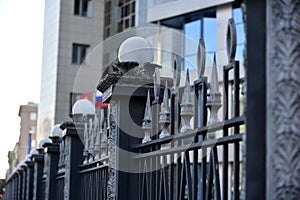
x,y
179,145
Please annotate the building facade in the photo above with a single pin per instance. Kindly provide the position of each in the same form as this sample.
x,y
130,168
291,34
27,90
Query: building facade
x,y
72,30
27,138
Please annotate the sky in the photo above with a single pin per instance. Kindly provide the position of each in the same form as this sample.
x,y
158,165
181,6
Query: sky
x,y
21,43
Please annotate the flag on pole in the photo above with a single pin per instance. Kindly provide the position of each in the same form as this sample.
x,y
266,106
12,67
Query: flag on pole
x,y
99,100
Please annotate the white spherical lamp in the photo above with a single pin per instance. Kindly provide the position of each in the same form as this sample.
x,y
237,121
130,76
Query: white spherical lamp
x,y
56,131
28,157
34,152
43,141
136,49
84,107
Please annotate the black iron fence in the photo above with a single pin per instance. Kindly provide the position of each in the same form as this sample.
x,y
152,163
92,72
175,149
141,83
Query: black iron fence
x,y
180,145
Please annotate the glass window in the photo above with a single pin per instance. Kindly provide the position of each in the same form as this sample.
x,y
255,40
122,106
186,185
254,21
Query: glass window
x,y
32,116
83,8
210,35
201,27
107,18
127,14
80,52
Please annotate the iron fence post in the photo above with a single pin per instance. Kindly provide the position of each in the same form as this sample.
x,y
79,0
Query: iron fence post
x,y
51,161
29,185
38,160
24,182
73,150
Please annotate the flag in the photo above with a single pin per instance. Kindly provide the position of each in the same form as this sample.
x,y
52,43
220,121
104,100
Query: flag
x,y
88,96
99,101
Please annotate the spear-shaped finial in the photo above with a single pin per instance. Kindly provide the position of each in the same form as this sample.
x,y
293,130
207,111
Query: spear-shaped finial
x,y
165,108
201,57
214,77
214,102
146,125
164,117
186,111
176,72
156,80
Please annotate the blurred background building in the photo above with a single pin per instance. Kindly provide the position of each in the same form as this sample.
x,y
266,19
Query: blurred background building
x,y
27,138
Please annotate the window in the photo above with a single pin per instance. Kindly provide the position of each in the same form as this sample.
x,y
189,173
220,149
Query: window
x,y
80,53
196,26
83,8
107,20
127,16
32,116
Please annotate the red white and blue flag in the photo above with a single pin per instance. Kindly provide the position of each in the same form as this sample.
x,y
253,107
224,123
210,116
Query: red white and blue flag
x,y
99,100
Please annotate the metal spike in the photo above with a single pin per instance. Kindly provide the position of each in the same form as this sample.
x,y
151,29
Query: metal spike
x,y
156,80
146,125
164,115
186,96
187,81
214,101
186,111
214,78
201,57
165,108
147,114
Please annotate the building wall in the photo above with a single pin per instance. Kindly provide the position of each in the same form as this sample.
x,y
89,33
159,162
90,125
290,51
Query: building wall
x,y
28,115
47,104
63,28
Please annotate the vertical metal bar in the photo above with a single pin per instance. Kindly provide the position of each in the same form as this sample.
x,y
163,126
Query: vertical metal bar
x,y
236,89
225,133
172,157
204,150
236,162
140,176
215,163
178,176
208,195
196,140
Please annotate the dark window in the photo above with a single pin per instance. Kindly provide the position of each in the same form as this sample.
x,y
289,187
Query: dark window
x,y
83,8
127,14
107,18
80,52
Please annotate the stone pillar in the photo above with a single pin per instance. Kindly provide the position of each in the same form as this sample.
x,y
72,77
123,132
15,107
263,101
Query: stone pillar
x,y
51,165
73,158
283,99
